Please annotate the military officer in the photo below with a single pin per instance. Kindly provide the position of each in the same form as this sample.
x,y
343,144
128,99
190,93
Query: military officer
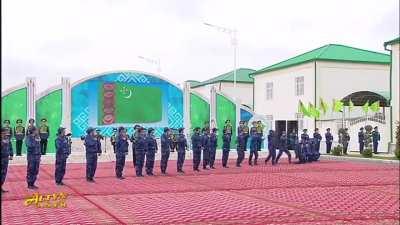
x,y
150,151
196,146
31,124
63,150
283,148
140,148
328,140
317,139
260,134
6,154
92,152
212,145
133,139
181,149
304,136
19,134
361,140
253,145
240,149
7,128
345,140
226,146
121,150
44,133
376,137
206,148
33,157
165,149
113,138
272,144
228,127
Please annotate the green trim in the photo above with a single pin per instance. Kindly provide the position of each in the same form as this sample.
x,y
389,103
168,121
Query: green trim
x,y
391,42
242,76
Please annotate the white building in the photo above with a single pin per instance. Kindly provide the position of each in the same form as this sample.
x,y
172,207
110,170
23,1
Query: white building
x,y
224,83
395,82
329,72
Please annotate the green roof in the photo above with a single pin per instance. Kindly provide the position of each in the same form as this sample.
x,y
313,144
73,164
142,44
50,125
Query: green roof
x,y
331,52
242,76
394,41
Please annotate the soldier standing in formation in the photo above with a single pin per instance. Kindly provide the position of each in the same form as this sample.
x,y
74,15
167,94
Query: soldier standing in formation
x,y
134,137
63,150
376,137
92,152
241,140
165,149
345,140
293,140
272,144
6,154
317,139
113,138
212,145
283,148
140,149
206,148
181,149
196,146
150,151
33,157
121,150
226,146
31,125
253,144
7,129
329,140
19,134
44,133
361,140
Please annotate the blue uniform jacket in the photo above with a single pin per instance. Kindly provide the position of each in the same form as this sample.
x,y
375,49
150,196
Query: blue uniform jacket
x,y
283,142
151,143
141,144
91,145
376,136
121,145
165,143
241,142
328,137
62,146
360,137
33,145
6,149
212,142
305,138
226,141
196,142
317,137
205,141
182,143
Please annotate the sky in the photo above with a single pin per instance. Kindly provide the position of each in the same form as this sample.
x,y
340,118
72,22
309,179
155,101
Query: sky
x,y
50,39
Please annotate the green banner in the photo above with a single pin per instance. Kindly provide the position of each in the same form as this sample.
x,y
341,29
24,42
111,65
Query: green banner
x,y
199,111
226,109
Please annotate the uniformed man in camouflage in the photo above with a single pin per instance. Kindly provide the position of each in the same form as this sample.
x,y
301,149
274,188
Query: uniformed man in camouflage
x,y
44,133
19,134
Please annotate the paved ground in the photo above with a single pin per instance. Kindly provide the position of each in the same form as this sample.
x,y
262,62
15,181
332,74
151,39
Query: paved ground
x,y
326,192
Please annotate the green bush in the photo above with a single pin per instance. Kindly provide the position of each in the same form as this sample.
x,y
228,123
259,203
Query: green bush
x,y
337,151
397,151
367,153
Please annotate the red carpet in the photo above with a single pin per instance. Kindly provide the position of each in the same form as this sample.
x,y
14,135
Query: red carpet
x,y
327,192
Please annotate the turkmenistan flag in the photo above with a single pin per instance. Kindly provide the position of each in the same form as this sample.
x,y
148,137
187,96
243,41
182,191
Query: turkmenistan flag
x,y
374,106
131,104
303,109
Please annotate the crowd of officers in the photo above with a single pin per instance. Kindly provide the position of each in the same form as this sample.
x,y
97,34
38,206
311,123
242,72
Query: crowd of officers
x,y
144,147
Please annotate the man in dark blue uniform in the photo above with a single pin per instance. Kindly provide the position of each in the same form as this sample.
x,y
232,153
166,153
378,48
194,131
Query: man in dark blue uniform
x,y
31,124
121,150
150,151
44,133
206,148
6,155
181,149
33,157
19,134
361,140
226,147
7,129
317,139
272,145
212,146
63,150
241,141
253,145
227,127
92,152
140,148
165,149
196,146
376,137
328,140
283,148
113,138
345,140
292,137
133,139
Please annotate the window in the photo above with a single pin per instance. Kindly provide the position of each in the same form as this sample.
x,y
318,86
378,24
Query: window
x,y
269,90
299,86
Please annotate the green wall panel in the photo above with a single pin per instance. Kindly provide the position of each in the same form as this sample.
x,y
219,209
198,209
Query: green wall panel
x,y
199,111
50,107
226,109
14,106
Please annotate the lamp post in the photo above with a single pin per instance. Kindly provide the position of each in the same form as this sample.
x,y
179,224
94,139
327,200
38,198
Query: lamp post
x,y
233,36
155,62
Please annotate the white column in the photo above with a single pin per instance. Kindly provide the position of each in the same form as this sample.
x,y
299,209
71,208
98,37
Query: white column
x,y
213,106
31,100
186,107
66,103
237,114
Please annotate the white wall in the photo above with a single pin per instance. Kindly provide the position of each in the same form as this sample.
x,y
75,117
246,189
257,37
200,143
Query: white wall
x,y
395,87
284,104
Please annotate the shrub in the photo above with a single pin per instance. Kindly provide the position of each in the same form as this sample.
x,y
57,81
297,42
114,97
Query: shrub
x,y
367,153
397,151
337,151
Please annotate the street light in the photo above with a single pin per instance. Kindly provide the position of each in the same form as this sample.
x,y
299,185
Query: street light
x,y
155,62
232,33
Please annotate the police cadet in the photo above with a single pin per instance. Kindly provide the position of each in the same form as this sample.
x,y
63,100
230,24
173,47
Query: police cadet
x,y
33,157
92,152
241,140
328,140
196,146
283,147
206,148
99,137
242,129
376,137
361,140
181,149
6,154
317,139
113,138
19,134
226,147
44,133
304,136
253,144
140,149
150,151
121,150
133,139
8,129
345,140
212,145
31,124
260,128
227,127
165,149
272,144
292,140
63,150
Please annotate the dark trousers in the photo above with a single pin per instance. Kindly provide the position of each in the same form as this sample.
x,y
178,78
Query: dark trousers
x,y
280,154
139,162
150,157
328,147
240,157
134,157
225,156
4,168
180,161
345,146
375,146
18,145
43,146
255,154
196,158
245,143
271,155
206,157
32,169
61,163
164,160
119,164
361,147
213,152
91,165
